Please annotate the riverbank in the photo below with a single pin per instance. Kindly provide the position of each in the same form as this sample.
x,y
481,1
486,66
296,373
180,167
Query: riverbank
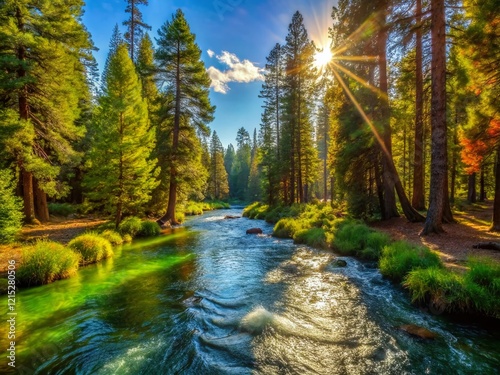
x,y
471,286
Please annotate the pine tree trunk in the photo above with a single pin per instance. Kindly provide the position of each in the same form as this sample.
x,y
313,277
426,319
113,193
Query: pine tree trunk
x,y
28,198
390,209
119,213
172,193
482,191
433,223
471,188
418,196
41,206
495,227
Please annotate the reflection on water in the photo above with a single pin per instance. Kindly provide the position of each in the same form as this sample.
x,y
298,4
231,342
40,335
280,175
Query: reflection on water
x,y
213,300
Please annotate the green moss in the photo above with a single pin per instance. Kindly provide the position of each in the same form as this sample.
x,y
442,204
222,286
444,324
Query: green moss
x,y
113,237
399,258
45,262
149,229
130,225
91,247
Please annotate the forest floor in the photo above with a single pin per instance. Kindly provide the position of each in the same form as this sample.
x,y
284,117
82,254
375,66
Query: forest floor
x,y
454,246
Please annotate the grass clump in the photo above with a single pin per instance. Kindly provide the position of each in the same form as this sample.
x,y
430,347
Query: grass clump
x,y
314,237
399,258
45,262
149,229
193,208
256,211
91,247
112,236
130,225
350,237
287,227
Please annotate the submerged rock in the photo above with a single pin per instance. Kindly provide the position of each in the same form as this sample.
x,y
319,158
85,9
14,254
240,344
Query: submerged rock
x,y
340,263
418,331
231,217
254,231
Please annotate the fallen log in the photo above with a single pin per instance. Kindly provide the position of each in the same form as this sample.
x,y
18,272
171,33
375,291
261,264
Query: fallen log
x,y
487,246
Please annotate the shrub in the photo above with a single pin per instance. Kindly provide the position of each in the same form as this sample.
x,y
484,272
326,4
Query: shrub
x,y
375,242
11,215
350,237
250,208
399,258
61,209
91,247
46,261
193,208
180,217
286,228
113,237
314,237
130,225
127,238
149,229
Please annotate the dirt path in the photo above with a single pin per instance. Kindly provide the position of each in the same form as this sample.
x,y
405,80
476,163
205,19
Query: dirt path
x,y
454,246
59,229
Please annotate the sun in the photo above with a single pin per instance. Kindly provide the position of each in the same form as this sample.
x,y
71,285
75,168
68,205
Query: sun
x,y
323,57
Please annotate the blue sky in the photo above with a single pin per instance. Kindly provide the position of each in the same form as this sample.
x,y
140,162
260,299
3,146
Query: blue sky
x,y
235,37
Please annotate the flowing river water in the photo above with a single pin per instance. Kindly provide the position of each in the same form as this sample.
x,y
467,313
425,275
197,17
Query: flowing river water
x,y
209,299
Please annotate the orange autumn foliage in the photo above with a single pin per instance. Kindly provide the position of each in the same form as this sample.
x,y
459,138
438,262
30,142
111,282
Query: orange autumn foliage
x,y
474,150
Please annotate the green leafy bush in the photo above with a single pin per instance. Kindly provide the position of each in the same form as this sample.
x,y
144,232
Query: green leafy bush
x,y
91,247
149,229
45,262
61,209
11,215
399,258
113,237
130,225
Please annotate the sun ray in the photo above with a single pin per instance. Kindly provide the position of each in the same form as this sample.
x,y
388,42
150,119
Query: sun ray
x,y
362,112
360,80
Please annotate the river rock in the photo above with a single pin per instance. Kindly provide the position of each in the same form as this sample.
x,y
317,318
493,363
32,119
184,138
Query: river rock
x,y
231,217
340,263
254,231
417,331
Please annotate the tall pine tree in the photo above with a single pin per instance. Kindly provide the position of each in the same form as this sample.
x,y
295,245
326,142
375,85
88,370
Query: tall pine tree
x,y
186,102
121,174
43,53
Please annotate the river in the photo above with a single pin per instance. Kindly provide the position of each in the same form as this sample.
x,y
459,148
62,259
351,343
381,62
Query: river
x,y
209,299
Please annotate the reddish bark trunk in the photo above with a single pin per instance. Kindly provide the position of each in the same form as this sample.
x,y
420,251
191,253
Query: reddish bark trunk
x,y
433,223
418,198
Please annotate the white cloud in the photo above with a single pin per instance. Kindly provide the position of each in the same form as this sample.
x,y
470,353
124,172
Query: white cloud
x,y
238,71
211,53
